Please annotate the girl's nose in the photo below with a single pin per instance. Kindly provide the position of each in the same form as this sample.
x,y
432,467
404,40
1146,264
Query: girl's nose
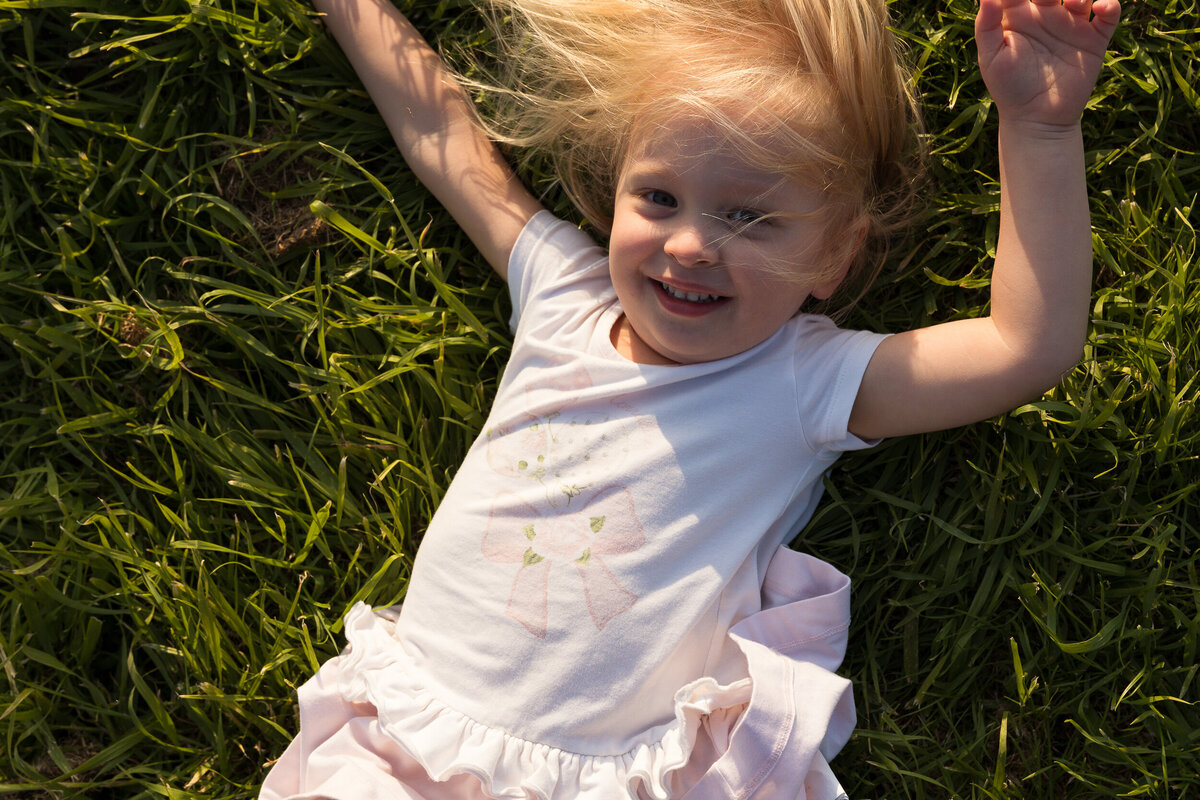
x,y
690,246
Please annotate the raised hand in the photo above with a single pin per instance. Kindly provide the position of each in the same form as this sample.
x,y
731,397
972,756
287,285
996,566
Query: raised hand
x,y
1040,58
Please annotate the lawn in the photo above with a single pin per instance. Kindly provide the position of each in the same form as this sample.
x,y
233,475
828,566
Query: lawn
x,y
242,353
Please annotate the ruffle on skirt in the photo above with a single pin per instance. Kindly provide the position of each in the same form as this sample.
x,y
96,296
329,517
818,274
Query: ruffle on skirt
x,y
370,729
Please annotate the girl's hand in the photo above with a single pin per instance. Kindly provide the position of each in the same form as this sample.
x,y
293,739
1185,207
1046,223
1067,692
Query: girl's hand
x,y
1040,58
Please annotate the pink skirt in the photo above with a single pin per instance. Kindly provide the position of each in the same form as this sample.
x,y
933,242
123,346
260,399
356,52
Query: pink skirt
x,y
370,730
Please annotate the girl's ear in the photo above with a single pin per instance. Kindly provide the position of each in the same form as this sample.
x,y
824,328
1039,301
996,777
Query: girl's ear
x,y
845,253
825,290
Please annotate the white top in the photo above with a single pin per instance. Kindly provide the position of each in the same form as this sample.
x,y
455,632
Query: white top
x,y
569,616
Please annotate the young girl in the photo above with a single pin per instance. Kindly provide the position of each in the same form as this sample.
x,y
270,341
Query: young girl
x,y
603,606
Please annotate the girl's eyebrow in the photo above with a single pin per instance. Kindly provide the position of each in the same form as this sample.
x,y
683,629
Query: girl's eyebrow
x,y
650,168
759,183
748,183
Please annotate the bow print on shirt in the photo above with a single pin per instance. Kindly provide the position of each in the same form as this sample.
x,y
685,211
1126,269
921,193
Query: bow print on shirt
x,y
603,524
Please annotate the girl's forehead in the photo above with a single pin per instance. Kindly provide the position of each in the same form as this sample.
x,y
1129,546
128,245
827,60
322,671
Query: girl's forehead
x,y
683,146
758,148
691,133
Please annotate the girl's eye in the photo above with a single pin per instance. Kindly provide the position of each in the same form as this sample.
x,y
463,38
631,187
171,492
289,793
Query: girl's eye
x,y
744,216
660,198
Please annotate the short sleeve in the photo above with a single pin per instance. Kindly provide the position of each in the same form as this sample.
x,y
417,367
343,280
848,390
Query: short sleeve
x,y
548,252
830,364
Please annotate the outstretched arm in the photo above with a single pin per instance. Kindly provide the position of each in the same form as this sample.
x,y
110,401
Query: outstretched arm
x,y
433,124
1040,60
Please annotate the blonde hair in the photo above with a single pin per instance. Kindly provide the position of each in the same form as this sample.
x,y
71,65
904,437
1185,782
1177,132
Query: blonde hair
x,y
810,89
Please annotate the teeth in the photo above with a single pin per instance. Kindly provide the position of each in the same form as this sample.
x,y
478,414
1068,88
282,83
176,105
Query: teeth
x,y
691,297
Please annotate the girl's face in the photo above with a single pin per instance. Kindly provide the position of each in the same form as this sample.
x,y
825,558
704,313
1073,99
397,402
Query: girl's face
x,y
701,268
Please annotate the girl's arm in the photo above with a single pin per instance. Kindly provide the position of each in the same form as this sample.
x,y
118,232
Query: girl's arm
x,y
433,124
1040,61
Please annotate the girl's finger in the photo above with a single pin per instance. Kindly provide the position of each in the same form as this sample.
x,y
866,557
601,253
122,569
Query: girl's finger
x,y
1107,15
989,30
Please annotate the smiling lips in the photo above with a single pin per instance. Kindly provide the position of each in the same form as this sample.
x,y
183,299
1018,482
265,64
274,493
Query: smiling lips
x,y
694,298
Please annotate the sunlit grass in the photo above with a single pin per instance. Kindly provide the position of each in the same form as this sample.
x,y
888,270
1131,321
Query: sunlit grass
x,y
242,353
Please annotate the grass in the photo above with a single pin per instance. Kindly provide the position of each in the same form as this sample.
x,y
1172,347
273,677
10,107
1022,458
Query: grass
x,y
242,353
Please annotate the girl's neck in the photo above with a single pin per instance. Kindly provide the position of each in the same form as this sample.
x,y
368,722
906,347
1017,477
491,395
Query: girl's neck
x,y
629,345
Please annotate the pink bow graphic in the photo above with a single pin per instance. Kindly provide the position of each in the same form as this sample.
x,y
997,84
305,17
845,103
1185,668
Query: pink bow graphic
x,y
605,525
